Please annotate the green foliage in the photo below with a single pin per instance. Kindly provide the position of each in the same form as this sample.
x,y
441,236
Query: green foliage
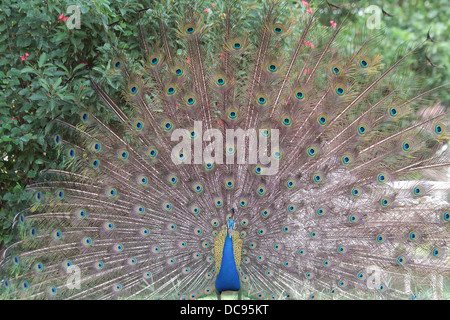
x,y
53,79
50,80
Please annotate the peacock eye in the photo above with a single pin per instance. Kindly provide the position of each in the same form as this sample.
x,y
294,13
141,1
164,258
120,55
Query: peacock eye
x,y
446,216
406,146
273,68
237,45
340,91
336,70
189,29
393,112
117,64
381,178
299,95
154,60
133,89
417,190
179,72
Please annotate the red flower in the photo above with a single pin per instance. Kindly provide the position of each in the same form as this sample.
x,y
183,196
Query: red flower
x,y
309,44
206,10
333,24
62,18
24,57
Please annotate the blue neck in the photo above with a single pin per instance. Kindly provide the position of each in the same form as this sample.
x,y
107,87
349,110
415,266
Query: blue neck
x,y
228,277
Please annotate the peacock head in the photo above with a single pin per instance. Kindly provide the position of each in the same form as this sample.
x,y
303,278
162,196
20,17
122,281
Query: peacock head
x,y
230,223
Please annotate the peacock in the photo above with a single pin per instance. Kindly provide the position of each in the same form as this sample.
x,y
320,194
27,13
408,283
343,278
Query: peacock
x,y
276,161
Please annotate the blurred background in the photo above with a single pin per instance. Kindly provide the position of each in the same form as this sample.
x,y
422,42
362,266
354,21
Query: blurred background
x,y
45,65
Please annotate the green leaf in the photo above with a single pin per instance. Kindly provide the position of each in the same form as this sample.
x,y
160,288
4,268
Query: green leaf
x,y
57,82
28,70
38,96
42,59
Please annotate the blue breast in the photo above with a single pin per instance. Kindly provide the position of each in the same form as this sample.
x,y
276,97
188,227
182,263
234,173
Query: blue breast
x,y
228,278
